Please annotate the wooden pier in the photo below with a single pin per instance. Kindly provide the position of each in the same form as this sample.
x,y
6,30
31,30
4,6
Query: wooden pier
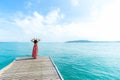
x,y
27,68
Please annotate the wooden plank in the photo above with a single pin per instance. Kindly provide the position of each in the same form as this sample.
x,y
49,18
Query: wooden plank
x,y
27,68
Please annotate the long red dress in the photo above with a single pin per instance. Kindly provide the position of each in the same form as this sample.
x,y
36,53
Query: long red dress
x,y
35,51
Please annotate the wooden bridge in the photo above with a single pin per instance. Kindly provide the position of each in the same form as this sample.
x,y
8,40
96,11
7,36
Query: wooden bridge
x,y
27,68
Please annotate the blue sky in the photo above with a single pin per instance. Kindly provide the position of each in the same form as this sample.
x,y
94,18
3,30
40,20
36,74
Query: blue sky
x,y
59,20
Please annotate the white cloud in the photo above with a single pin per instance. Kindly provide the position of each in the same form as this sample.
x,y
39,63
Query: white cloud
x,y
38,25
75,3
5,21
53,16
31,24
103,24
28,5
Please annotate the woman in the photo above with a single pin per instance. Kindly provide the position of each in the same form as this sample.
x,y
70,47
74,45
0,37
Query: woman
x,y
35,48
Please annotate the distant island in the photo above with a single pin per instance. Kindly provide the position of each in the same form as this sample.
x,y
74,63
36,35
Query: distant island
x,y
77,41
87,41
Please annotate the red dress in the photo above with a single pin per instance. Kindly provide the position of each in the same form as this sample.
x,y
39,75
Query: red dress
x,y
35,51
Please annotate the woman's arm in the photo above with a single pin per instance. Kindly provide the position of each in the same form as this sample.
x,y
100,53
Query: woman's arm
x,y
33,39
38,39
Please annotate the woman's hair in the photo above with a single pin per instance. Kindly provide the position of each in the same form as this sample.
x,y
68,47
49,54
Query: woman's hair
x,y
35,41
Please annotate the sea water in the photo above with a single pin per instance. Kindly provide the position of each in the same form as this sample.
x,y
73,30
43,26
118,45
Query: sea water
x,y
75,61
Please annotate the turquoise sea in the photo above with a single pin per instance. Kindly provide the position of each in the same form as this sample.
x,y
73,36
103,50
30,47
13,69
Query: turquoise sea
x,y
75,61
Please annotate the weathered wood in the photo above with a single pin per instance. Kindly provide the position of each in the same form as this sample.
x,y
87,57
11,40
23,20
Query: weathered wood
x,y
27,68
